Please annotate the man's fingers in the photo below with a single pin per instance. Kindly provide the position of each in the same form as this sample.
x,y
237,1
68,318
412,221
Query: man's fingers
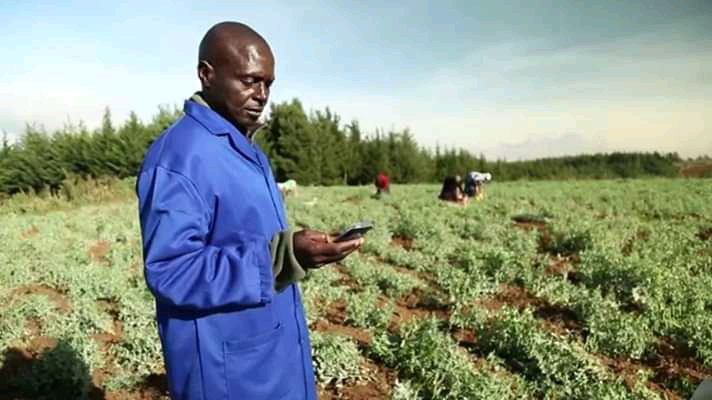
x,y
347,246
330,259
329,251
333,252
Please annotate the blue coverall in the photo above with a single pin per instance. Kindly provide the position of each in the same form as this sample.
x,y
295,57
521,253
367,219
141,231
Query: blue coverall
x,y
209,207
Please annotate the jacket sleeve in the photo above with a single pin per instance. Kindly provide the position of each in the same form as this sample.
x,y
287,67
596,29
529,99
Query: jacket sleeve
x,y
285,267
181,269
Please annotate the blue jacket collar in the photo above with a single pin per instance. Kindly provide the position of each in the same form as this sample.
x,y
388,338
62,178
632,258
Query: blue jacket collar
x,y
217,125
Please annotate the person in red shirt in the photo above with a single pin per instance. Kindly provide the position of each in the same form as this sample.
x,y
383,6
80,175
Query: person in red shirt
x,y
382,184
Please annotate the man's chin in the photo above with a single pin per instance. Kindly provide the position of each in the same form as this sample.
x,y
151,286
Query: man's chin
x,y
252,126
245,123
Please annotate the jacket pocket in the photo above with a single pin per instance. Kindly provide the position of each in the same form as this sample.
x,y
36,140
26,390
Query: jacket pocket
x,y
254,367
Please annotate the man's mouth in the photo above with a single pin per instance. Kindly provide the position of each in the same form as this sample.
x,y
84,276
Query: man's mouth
x,y
253,112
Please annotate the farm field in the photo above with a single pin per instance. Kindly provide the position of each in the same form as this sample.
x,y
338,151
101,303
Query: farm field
x,y
543,290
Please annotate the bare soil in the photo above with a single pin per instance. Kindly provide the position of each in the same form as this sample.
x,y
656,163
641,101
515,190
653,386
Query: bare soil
x,y
154,387
671,364
57,297
381,378
403,242
564,266
555,318
545,240
640,235
416,305
333,322
705,234
30,233
379,385
99,250
345,279
356,199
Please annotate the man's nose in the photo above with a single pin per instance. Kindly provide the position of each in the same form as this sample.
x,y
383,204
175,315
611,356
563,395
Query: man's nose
x,y
261,92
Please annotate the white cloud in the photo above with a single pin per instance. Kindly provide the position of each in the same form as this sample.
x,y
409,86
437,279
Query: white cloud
x,y
640,93
81,92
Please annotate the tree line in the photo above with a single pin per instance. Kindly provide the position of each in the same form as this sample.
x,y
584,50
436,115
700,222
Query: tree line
x,y
314,148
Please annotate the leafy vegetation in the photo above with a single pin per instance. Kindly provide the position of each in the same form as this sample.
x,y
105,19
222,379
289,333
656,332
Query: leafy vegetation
x,y
557,290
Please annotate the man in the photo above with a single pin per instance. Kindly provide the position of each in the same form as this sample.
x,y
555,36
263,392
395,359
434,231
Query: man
x,y
382,184
218,254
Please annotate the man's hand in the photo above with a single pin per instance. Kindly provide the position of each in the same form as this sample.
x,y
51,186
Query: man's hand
x,y
313,249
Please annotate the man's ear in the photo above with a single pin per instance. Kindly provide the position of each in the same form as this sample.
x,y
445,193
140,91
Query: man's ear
x,y
206,73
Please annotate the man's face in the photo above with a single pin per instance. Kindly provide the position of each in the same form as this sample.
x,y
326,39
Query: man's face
x,y
239,87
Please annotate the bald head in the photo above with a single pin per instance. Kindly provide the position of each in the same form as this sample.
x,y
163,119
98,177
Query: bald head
x,y
226,38
236,70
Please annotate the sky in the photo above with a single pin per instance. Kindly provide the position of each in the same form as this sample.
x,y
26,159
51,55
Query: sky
x,y
513,79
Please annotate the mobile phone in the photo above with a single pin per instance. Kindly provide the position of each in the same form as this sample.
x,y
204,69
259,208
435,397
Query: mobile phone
x,y
354,231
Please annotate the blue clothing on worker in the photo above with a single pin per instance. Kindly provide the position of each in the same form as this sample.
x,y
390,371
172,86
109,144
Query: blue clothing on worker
x,y
209,207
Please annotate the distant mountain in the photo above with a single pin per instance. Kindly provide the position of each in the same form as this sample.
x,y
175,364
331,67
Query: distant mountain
x,y
538,146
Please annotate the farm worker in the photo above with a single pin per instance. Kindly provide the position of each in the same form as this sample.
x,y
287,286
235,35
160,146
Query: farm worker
x,y
471,182
218,254
382,184
452,190
474,183
287,187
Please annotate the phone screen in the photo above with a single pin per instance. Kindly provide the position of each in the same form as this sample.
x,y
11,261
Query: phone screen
x,y
354,231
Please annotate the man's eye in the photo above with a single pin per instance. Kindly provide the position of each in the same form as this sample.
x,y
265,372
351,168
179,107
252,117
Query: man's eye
x,y
248,80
